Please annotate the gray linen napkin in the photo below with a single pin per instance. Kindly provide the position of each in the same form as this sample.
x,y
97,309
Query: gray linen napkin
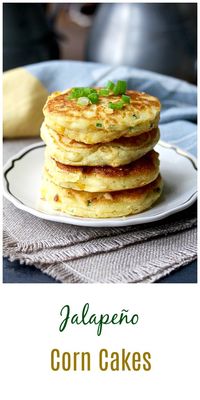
x,y
70,253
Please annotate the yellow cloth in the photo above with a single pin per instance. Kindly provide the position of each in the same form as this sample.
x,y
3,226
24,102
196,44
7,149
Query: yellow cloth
x,y
24,97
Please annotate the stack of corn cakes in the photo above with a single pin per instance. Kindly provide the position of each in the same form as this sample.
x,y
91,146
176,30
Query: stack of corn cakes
x,y
99,157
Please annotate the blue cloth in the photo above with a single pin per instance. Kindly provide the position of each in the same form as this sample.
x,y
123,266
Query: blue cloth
x,y
178,98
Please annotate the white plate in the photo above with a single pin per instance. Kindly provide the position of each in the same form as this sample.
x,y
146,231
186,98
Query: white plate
x,y
22,177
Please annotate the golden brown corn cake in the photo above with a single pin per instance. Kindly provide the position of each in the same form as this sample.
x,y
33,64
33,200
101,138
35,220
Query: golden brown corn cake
x,y
104,179
100,205
116,153
98,123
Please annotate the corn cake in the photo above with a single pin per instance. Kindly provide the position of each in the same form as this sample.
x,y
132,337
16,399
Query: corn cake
x,y
104,179
116,153
100,205
98,123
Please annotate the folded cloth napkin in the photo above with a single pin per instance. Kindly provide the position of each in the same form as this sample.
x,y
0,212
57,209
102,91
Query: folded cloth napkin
x,y
141,253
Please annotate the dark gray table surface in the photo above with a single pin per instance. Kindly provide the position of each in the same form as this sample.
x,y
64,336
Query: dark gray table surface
x,y
13,272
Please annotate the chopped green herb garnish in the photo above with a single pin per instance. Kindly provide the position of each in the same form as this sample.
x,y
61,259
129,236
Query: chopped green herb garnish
x,y
120,88
126,99
81,92
93,97
110,85
98,125
116,106
87,95
76,93
88,91
104,92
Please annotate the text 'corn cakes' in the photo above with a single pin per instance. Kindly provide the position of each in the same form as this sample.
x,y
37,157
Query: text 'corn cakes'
x,y
118,152
100,205
98,123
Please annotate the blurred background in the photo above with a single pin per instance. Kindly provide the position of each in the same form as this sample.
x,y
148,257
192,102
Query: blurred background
x,y
160,37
